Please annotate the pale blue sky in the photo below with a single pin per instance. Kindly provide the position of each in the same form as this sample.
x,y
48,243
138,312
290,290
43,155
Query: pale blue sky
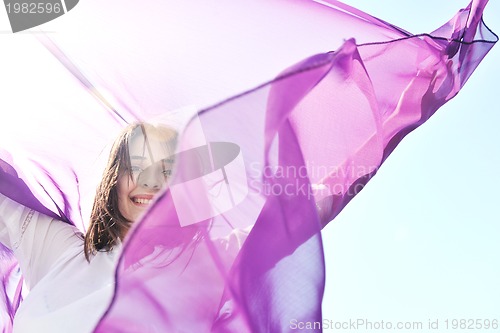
x,y
422,240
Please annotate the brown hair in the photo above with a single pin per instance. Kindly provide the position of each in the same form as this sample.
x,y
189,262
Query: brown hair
x,y
107,224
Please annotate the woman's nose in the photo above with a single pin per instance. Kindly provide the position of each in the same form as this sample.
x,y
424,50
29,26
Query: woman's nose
x,y
151,178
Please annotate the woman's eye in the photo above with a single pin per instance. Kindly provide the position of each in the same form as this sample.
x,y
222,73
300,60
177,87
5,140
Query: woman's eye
x,y
167,173
136,169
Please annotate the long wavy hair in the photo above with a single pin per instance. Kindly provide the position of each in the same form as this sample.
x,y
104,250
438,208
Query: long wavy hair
x,y
107,224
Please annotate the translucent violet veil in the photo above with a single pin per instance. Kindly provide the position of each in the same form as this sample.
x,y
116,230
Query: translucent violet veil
x,y
234,243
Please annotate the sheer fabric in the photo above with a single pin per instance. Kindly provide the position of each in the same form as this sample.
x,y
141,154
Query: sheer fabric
x,y
234,244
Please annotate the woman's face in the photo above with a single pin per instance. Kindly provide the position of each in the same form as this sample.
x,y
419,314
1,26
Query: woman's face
x,y
151,166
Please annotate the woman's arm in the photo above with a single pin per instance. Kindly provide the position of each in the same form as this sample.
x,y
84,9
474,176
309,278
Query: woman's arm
x,y
37,240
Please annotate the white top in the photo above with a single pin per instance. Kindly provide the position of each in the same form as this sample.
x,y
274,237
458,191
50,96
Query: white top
x,y
67,294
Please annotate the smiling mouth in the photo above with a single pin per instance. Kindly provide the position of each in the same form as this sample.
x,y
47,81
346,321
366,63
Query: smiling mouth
x,y
142,201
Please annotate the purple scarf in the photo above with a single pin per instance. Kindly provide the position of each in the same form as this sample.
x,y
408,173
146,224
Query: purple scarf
x,y
234,245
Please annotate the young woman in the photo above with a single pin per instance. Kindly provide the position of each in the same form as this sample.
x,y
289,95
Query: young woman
x,y
70,276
